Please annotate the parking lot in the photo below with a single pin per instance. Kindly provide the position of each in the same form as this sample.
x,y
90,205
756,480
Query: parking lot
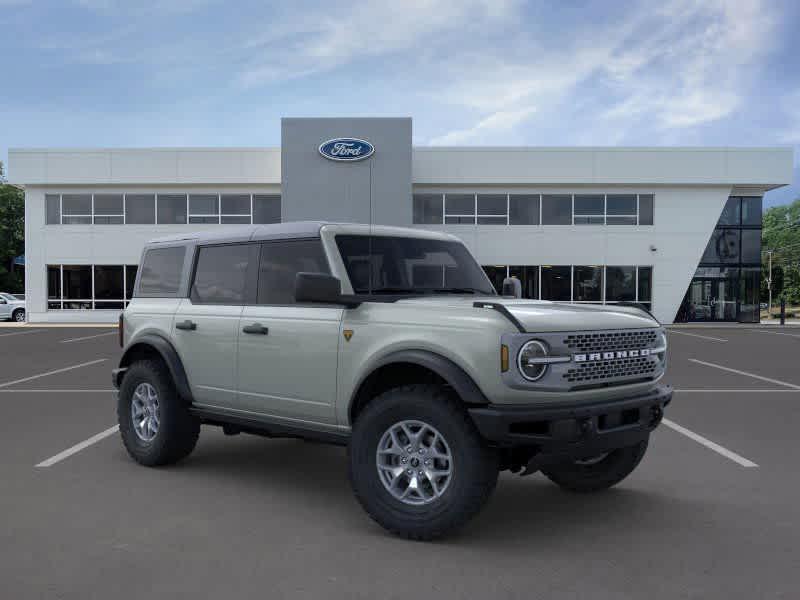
x,y
712,511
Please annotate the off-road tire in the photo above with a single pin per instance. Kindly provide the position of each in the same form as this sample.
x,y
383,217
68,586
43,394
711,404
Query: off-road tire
x,y
178,430
612,469
18,315
475,466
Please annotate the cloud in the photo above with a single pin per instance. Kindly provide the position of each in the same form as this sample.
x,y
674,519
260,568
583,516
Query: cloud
x,y
318,41
494,123
682,65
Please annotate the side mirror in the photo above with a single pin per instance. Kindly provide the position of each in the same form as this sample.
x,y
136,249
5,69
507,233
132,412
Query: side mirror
x,y
512,287
321,288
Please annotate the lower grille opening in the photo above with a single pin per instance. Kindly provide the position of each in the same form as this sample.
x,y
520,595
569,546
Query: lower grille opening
x,y
530,428
618,419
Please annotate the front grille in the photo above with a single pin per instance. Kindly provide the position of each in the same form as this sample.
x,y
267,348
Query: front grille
x,y
606,341
603,370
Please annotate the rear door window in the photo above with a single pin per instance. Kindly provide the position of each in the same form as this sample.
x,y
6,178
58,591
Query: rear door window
x,y
161,271
220,276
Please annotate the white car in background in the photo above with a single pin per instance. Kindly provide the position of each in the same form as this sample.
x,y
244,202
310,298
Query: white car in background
x,y
12,308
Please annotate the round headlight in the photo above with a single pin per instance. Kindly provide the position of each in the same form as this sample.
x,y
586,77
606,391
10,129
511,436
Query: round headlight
x,y
526,360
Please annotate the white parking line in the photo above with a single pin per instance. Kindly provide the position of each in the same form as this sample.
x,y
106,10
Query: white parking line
x,y
745,373
794,335
24,379
22,332
78,447
740,460
697,335
87,337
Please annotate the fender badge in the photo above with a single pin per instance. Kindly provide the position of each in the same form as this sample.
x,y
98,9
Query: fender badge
x,y
347,333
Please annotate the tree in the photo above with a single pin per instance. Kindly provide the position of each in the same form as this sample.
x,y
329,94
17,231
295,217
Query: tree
x,y
781,235
12,234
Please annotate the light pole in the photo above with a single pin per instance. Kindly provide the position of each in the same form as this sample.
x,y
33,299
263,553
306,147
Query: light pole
x,y
769,286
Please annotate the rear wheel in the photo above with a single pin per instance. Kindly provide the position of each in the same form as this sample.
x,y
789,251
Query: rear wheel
x,y
154,421
598,472
417,464
19,315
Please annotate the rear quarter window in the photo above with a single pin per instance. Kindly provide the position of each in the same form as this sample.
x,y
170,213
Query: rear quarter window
x,y
161,271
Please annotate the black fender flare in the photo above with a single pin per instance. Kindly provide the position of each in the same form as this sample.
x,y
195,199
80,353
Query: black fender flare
x,y
168,354
454,376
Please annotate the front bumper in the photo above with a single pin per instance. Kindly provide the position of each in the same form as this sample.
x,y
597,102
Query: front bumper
x,y
573,431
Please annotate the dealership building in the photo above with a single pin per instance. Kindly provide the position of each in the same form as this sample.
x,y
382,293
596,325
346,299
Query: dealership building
x,y
676,229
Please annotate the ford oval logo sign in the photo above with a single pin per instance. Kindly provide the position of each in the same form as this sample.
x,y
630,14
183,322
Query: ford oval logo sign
x,y
346,149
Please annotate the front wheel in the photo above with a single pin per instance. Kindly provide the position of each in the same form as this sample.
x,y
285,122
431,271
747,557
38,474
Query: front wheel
x,y
19,315
417,464
598,472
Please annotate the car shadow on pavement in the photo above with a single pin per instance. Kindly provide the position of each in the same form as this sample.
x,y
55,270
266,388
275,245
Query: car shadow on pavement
x,y
313,477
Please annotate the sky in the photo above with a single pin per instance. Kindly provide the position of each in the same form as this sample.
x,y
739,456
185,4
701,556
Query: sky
x,y
108,73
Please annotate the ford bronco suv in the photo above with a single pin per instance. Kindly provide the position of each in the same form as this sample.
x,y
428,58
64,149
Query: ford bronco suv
x,y
394,343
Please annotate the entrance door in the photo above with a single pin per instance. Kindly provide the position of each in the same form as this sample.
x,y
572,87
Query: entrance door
x,y
711,300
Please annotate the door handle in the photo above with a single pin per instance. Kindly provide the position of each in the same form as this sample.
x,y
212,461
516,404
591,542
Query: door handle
x,y
186,325
256,328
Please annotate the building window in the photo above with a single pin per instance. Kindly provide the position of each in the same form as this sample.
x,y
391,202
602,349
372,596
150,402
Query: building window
x,y
492,209
557,209
644,285
140,209
621,209
76,283
587,284
235,209
428,209
109,209
54,295
646,209
53,209
163,209
751,211
203,208
130,280
523,209
459,209
589,209
88,287
266,208
557,283
579,283
723,247
528,276
171,209
76,209
621,284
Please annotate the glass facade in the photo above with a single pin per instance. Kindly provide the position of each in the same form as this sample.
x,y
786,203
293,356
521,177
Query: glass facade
x,y
726,283
89,287
594,284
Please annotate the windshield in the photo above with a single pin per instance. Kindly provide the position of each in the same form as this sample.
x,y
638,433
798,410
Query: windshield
x,y
401,265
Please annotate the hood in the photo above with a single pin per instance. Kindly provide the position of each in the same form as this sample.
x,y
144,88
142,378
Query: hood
x,y
542,316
